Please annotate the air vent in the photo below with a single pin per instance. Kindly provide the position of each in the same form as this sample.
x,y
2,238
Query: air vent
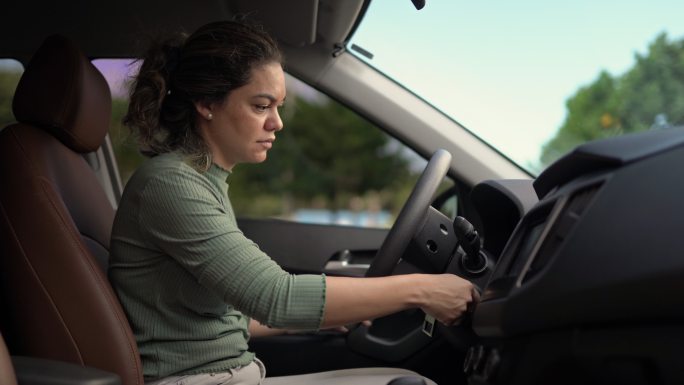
x,y
568,218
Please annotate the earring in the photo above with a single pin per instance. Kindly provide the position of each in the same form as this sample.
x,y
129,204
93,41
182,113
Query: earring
x,y
210,116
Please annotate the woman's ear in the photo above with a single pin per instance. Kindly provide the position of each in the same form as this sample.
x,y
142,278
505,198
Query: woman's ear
x,y
204,109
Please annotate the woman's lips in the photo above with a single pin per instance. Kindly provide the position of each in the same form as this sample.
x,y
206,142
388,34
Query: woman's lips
x,y
267,144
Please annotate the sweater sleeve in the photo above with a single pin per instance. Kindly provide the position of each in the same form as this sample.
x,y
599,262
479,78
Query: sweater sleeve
x,y
182,213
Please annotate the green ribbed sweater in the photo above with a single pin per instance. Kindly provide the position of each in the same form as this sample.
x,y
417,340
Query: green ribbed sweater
x,y
189,280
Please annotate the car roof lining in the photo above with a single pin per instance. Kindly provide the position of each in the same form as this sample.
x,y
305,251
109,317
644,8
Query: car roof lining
x,y
121,28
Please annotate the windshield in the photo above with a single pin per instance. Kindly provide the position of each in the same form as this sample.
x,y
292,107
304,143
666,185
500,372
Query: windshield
x,y
534,78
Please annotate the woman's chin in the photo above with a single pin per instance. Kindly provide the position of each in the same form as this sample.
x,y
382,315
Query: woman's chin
x,y
259,158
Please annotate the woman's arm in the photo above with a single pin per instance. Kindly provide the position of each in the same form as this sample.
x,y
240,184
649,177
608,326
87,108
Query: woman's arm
x,y
256,329
349,300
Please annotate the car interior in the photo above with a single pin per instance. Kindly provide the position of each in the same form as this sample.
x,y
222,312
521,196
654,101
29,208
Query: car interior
x,y
578,268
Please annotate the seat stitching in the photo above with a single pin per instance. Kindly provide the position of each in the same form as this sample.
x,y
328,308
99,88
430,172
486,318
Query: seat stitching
x,y
40,283
46,185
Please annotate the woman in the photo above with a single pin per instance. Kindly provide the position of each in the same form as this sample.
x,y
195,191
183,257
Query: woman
x,y
193,287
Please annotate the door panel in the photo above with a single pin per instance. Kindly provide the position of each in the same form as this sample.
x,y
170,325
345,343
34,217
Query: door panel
x,y
308,248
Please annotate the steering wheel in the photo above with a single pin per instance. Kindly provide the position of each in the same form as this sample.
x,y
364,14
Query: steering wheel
x,y
411,217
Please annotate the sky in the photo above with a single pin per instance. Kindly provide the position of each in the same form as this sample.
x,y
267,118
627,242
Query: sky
x,y
504,69
118,73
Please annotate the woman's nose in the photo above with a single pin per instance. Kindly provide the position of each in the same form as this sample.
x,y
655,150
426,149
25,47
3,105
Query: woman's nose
x,y
275,123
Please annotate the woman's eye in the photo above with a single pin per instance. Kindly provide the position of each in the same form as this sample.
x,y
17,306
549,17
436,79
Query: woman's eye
x,y
261,108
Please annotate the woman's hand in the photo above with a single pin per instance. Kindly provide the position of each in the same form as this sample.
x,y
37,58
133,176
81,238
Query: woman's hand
x,y
447,297
349,300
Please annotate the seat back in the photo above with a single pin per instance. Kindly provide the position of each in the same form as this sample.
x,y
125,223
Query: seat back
x,y
7,376
55,219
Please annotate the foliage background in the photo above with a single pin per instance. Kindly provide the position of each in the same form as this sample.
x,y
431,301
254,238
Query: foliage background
x,y
650,95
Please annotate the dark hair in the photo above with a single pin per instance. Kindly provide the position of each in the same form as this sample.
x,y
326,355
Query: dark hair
x,y
179,71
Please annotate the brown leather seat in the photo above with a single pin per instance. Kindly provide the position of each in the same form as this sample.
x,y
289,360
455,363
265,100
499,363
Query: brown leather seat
x,y
7,376
55,219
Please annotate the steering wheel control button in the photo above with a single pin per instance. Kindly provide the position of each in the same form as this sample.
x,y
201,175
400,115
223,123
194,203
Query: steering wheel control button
x,y
443,229
429,325
432,246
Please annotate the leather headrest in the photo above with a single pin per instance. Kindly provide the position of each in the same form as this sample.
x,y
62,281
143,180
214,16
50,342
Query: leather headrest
x,y
63,93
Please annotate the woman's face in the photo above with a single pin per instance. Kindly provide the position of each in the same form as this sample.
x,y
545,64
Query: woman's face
x,y
242,127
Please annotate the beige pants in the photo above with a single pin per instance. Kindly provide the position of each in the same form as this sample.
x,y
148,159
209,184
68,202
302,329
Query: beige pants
x,y
255,373
251,374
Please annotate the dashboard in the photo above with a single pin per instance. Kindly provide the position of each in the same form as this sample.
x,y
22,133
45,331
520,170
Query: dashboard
x,y
587,282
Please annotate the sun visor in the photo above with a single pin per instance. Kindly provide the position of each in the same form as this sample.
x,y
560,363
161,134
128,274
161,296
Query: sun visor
x,y
292,22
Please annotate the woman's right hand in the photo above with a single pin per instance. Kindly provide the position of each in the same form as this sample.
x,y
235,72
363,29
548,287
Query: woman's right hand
x,y
447,297
349,300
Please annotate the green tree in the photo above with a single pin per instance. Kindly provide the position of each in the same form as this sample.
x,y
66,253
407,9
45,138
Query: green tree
x,y
654,87
8,84
125,147
650,94
592,113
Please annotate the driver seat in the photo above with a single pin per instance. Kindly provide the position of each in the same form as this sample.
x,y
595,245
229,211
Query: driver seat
x,y
7,376
55,220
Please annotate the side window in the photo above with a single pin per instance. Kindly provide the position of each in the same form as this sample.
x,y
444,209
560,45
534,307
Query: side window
x,y
327,166
447,203
118,73
10,72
